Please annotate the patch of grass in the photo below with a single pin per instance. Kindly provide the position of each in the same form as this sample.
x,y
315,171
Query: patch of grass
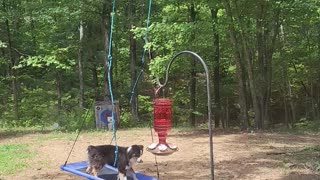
x,y
189,129
301,128
313,149
308,157
21,131
312,154
13,158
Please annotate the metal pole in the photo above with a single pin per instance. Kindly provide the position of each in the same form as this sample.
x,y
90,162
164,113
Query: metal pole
x,y
196,56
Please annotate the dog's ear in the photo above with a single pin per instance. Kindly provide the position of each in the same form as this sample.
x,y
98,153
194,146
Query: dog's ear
x,y
140,146
90,148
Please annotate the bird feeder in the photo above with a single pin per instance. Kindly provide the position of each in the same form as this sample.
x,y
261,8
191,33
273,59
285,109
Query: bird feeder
x,y
162,123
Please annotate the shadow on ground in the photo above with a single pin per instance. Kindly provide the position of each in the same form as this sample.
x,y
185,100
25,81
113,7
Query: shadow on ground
x,y
279,153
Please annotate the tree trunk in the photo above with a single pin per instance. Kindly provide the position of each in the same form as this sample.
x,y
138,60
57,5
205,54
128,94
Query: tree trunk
x,y
93,67
80,64
313,86
105,21
193,73
133,59
227,114
240,69
260,95
249,67
293,111
265,43
95,81
12,71
5,73
216,71
263,65
285,104
315,112
59,90
287,99
33,33
193,93
318,87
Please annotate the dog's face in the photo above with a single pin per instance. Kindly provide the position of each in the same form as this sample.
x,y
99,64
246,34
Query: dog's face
x,y
134,154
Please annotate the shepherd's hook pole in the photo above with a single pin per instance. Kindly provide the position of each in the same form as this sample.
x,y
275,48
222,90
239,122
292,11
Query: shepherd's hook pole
x,y
196,56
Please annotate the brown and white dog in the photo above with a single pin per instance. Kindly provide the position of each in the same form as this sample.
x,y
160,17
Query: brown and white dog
x,y
98,156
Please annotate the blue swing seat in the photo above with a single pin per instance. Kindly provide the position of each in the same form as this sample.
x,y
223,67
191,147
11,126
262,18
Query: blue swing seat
x,y
107,173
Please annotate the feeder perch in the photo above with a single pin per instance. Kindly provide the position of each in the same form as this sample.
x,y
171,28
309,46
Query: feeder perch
x,y
162,113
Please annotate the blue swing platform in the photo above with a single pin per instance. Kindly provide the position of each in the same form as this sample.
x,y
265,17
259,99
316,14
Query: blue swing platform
x,y
107,173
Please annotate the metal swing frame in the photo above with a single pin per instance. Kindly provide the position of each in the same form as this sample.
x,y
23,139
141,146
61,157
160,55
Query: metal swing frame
x,y
210,124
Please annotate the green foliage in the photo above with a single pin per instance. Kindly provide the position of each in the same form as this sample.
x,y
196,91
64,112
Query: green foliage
x,y
13,158
145,109
47,61
305,125
2,44
44,53
75,120
145,104
306,157
126,119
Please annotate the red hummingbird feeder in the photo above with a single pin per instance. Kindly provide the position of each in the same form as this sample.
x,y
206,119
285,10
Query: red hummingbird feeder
x,y
162,124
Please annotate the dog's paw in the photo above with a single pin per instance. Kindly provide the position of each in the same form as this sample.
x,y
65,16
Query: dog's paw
x,y
88,170
122,178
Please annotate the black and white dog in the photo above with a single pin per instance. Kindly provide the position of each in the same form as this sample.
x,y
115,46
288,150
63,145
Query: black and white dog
x,y
98,156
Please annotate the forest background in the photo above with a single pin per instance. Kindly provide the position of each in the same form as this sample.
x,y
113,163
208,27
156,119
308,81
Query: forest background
x,y
263,57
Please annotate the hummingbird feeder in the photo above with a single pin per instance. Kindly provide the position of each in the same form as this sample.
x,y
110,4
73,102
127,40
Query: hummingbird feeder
x,y
162,123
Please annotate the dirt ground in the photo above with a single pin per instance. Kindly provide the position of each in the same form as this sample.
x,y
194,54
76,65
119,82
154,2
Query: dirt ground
x,y
241,156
